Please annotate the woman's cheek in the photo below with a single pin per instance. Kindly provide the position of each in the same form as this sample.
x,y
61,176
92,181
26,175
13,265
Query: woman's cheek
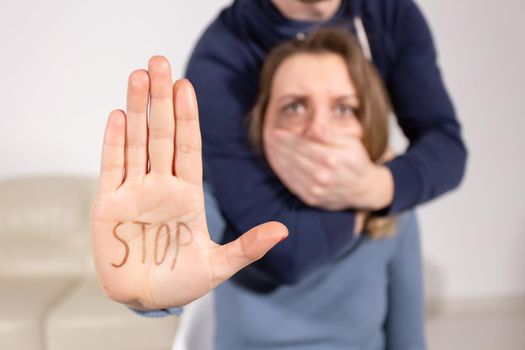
x,y
294,125
269,142
350,129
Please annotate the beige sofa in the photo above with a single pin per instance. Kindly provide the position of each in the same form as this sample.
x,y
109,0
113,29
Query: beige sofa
x,y
49,295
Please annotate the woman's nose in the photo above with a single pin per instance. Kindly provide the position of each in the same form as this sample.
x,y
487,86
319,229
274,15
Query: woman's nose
x,y
321,127
316,128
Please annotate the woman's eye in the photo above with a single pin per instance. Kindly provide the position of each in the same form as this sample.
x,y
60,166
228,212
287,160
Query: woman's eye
x,y
294,108
345,109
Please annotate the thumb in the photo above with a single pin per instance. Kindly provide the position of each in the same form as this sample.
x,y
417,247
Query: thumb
x,y
251,246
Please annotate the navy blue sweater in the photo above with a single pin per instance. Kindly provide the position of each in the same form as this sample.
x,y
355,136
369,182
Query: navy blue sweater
x,y
224,68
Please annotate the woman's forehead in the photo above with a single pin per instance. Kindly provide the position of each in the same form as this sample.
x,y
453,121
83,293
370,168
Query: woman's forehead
x,y
305,73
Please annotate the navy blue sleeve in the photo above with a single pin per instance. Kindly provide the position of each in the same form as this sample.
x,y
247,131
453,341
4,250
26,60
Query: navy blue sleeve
x,y
435,160
247,191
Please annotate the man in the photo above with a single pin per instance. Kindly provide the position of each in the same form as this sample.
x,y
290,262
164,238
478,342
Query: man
x,y
224,69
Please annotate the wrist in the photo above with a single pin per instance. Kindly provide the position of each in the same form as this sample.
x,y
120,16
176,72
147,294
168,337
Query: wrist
x,y
381,188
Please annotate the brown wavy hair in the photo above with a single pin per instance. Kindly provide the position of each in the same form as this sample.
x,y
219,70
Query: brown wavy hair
x,y
374,106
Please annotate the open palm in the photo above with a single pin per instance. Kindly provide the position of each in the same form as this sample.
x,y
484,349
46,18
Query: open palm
x,y
150,238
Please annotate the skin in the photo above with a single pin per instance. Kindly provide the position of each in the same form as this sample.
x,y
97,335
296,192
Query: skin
x,y
150,187
307,10
313,140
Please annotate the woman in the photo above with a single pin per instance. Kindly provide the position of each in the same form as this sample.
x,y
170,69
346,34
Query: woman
x,y
322,88
360,110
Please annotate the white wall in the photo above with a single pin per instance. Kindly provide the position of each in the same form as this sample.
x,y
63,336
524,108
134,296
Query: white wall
x,y
64,66
475,238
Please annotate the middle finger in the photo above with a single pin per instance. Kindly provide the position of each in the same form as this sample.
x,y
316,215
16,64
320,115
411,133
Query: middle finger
x,y
161,116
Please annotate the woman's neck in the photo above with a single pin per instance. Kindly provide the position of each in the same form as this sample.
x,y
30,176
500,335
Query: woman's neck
x,y
308,10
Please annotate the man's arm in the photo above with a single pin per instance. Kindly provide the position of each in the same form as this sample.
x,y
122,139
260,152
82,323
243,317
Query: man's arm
x,y
435,160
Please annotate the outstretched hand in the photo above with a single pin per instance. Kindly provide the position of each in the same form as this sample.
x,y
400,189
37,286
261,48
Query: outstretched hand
x,y
151,244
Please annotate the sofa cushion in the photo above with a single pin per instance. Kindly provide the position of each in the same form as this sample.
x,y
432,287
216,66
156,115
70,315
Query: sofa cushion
x,y
45,207
44,225
24,304
87,319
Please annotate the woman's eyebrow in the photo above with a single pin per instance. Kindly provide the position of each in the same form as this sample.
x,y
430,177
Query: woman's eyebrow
x,y
291,96
302,97
347,97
